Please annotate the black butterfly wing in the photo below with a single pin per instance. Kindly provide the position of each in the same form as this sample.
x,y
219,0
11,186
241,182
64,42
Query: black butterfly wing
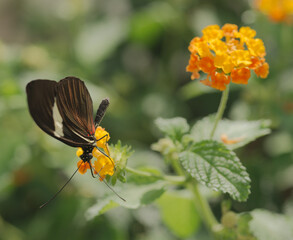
x,y
58,114
40,97
76,107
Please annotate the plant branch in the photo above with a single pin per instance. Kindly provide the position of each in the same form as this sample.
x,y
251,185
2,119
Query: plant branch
x,y
200,202
173,179
203,207
221,110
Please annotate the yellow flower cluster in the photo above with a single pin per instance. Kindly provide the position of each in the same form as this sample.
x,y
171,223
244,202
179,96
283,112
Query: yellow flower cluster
x,y
277,10
226,54
104,165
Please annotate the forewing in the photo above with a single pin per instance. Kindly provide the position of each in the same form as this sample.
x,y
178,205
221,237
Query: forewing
x,y
43,107
76,108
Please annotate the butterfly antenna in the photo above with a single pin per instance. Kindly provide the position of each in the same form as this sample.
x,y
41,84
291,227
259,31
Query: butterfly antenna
x,y
101,111
106,182
110,186
55,195
101,170
112,189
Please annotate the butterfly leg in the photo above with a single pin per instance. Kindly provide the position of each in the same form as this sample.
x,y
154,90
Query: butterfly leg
x,y
92,172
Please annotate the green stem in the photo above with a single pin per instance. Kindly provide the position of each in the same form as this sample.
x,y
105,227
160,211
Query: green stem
x,y
200,202
221,110
203,207
169,178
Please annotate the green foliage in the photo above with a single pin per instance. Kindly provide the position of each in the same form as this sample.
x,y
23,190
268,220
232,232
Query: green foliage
x,y
174,128
120,155
136,195
208,161
179,213
243,132
214,165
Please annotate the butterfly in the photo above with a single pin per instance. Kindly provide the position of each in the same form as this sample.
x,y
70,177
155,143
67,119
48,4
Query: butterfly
x,y
64,110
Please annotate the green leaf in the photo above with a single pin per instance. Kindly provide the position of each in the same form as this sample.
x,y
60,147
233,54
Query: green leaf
x,y
243,132
175,128
266,225
135,196
243,229
120,155
217,167
179,213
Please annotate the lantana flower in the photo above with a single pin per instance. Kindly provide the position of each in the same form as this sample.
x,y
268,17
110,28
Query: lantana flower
x,y
104,164
277,10
227,55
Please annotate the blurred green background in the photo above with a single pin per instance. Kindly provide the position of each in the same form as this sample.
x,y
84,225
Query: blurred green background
x,y
134,52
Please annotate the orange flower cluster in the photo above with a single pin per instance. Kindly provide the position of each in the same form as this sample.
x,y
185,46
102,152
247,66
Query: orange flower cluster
x,y
277,10
103,165
227,55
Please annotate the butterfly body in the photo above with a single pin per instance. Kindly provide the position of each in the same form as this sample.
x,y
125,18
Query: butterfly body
x,y
87,153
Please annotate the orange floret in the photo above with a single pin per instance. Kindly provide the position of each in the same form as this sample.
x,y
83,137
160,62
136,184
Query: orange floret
x,y
202,49
240,75
256,47
230,29
102,136
104,166
246,33
192,45
220,80
224,62
206,64
83,166
241,58
79,152
193,66
256,62
262,71
212,32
